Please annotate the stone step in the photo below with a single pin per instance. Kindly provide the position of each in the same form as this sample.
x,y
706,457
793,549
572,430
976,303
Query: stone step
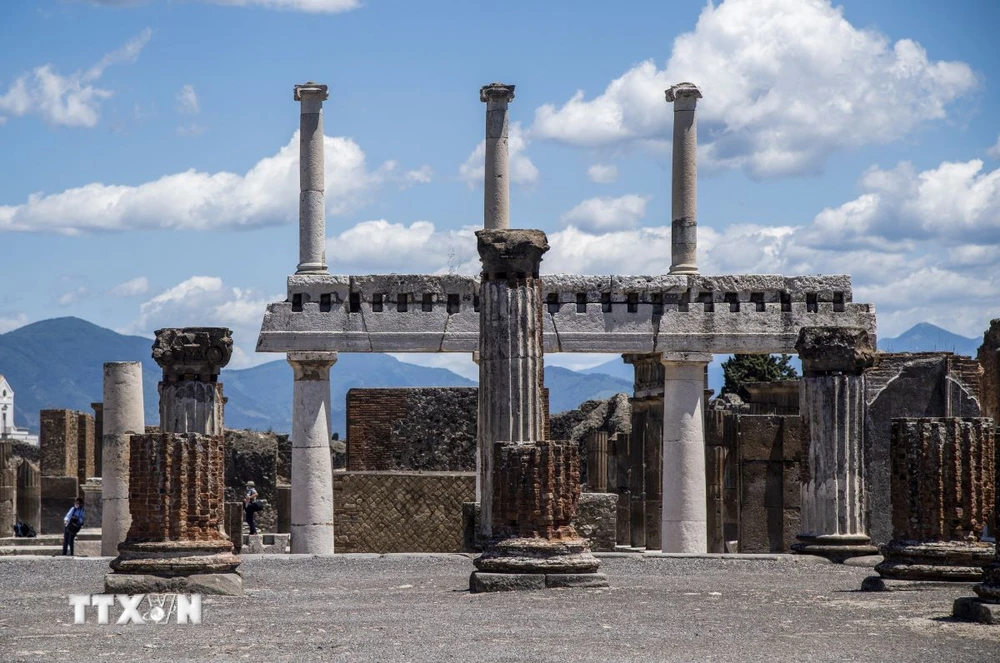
x,y
86,534
49,551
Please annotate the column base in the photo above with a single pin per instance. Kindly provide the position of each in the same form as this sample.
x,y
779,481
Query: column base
x,y
311,268
219,584
835,547
176,558
968,609
538,556
481,582
312,539
989,588
950,561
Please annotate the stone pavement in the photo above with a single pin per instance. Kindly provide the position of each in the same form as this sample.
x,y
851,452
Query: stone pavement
x,y
418,608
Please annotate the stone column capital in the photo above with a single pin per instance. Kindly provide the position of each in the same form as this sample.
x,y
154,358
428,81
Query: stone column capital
x,y
511,253
831,350
311,92
684,96
312,366
495,92
192,353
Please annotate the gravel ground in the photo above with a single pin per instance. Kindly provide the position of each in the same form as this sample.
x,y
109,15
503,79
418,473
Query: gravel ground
x,y
417,608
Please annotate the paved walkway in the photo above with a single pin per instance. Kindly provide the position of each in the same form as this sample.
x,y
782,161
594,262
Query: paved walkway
x,y
417,608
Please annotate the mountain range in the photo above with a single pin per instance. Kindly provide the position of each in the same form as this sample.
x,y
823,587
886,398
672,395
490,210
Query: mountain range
x,y
58,363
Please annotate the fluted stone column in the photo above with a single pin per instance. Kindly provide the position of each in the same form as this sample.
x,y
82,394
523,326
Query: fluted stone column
x,y
832,393
942,494
533,490
684,231
684,517
123,417
177,540
312,183
312,468
496,212
647,430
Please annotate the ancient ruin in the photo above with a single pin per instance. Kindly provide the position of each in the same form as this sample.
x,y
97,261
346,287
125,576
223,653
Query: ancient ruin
x,y
177,541
683,317
122,418
942,496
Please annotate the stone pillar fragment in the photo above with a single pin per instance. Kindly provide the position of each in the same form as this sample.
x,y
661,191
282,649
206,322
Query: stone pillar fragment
x,y
833,521
98,438
597,461
85,465
685,512
29,495
8,490
58,462
637,491
684,190
92,494
283,505
496,194
312,470
534,484
647,435
942,496
312,182
123,417
177,540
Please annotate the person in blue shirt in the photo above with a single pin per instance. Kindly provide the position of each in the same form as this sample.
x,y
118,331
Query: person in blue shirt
x,y
74,522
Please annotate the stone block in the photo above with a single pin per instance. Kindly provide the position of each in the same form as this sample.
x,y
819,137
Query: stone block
x,y
57,497
970,609
596,520
234,524
575,580
760,437
93,502
58,440
86,466
283,505
481,582
219,584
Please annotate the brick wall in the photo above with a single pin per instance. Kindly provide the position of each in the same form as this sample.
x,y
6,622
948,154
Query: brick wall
x,y
384,512
424,429
58,441
85,448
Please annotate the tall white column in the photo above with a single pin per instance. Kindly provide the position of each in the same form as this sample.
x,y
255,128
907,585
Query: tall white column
x,y
123,417
312,469
684,231
496,195
312,205
684,527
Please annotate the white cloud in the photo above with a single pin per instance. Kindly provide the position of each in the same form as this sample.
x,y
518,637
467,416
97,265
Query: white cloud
x,y
786,82
602,174
602,214
187,101
194,200
71,100
131,288
205,301
72,296
522,170
12,322
383,247
422,175
191,130
995,150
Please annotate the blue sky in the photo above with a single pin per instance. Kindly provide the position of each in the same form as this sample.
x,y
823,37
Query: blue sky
x,y
148,174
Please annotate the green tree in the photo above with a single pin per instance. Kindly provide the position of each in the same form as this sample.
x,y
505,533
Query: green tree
x,y
741,369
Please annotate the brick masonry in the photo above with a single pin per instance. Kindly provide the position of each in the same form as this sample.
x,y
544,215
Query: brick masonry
x,y
175,487
58,443
387,512
536,489
85,447
989,359
424,429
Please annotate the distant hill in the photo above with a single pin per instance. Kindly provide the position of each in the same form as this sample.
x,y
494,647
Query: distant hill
x,y
58,363
925,337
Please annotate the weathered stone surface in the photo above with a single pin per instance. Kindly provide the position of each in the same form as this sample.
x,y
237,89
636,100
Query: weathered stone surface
x,y
536,490
399,512
123,417
969,609
903,385
224,584
825,350
953,561
253,456
496,198
58,443
312,178
29,494
481,582
57,496
93,501
419,429
266,544
192,353
234,524
989,359
537,555
684,190
595,520
612,416
575,580
511,253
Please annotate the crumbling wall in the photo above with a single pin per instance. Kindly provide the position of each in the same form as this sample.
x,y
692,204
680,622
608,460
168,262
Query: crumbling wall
x,y
613,416
425,429
909,385
255,456
989,359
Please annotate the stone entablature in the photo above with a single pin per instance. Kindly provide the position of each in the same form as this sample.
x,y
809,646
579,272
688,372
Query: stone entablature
x,y
667,313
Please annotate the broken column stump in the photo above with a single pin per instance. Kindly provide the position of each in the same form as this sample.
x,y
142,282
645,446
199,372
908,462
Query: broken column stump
x,y
533,490
176,541
942,495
